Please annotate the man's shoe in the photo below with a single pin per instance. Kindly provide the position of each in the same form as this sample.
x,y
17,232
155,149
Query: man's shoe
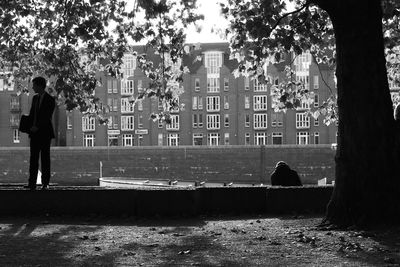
x,y
30,187
45,187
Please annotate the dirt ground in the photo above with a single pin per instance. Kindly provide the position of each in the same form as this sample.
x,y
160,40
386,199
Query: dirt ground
x,y
202,241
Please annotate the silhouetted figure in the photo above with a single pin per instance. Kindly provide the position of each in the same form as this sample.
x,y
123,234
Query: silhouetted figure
x,y
41,133
284,176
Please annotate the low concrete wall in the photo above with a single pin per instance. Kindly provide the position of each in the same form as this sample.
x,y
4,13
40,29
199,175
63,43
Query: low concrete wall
x,y
237,164
165,202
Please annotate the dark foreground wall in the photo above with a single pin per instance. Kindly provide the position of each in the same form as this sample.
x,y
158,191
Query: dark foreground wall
x,y
240,164
166,202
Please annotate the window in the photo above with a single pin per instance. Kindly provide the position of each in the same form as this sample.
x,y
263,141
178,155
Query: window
x,y
16,136
200,102
246,83
304,79
173,139
246,102
247,139
139,86
115,104
140,140
316,100
277,138
110,122
316,82
226,102
316,122
88,123
226,84
226,120
194,103
160,104
197,139
213,139
14,103
160,140
127,123
259,87
140,104
302,121
14,120
247,120
128,65
140,122
260,121
213,103
212,85
110,86
7,84
69,122
160,124
115,122
226,139
302,62
88,140
260,102
197,84
115,86
276,81
127,87
200,121
174,125
110,104
194,121
213,122
126,106
213,62
316,138
303,138
127,140
260,138
113,140
276,119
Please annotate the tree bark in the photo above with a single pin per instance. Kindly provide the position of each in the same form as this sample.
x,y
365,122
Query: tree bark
x,y
366,187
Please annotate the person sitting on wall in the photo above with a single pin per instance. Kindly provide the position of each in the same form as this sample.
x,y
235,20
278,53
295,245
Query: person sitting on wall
x,y
284,176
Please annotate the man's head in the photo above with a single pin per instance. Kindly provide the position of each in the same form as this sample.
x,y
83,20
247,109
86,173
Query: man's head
x,y
39,84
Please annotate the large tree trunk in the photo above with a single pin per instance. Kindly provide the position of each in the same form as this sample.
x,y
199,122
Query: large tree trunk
x,y
367,178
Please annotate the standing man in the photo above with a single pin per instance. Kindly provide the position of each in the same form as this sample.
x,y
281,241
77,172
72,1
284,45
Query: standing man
x,y
41,133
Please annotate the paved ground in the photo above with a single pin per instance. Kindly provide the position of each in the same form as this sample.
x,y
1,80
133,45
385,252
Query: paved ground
x,y
202,241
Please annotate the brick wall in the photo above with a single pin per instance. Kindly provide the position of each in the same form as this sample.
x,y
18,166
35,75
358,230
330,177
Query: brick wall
x,y
245,164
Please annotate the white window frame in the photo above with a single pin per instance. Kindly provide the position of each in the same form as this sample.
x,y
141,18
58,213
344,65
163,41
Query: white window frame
x,y
127,123
213,103
200,102
197,84
212,84
317,141
88,124
126,106
247,120
213,62
69,122
276,120
277,135
246,83
302,121
226,102
197,136
316,100
128,65
260,138
213,121
194,102
247,139
173,139
316,82
226,84
89,140
226,120
316,122
260,121
160,139
200,120
226,139
259,87
260,102
174,125
127,140
127,87
140,122
302,138
246,102
213,139
16,136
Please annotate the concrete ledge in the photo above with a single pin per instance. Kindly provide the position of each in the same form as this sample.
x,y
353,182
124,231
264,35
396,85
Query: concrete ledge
x,y
162,201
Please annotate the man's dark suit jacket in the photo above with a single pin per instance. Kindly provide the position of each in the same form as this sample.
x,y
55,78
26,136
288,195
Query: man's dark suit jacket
x,y
44,116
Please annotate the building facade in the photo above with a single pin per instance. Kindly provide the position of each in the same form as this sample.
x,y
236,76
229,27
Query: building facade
x,y
219,108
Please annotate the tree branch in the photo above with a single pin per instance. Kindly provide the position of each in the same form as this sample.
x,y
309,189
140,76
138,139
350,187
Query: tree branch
x,y
288,14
